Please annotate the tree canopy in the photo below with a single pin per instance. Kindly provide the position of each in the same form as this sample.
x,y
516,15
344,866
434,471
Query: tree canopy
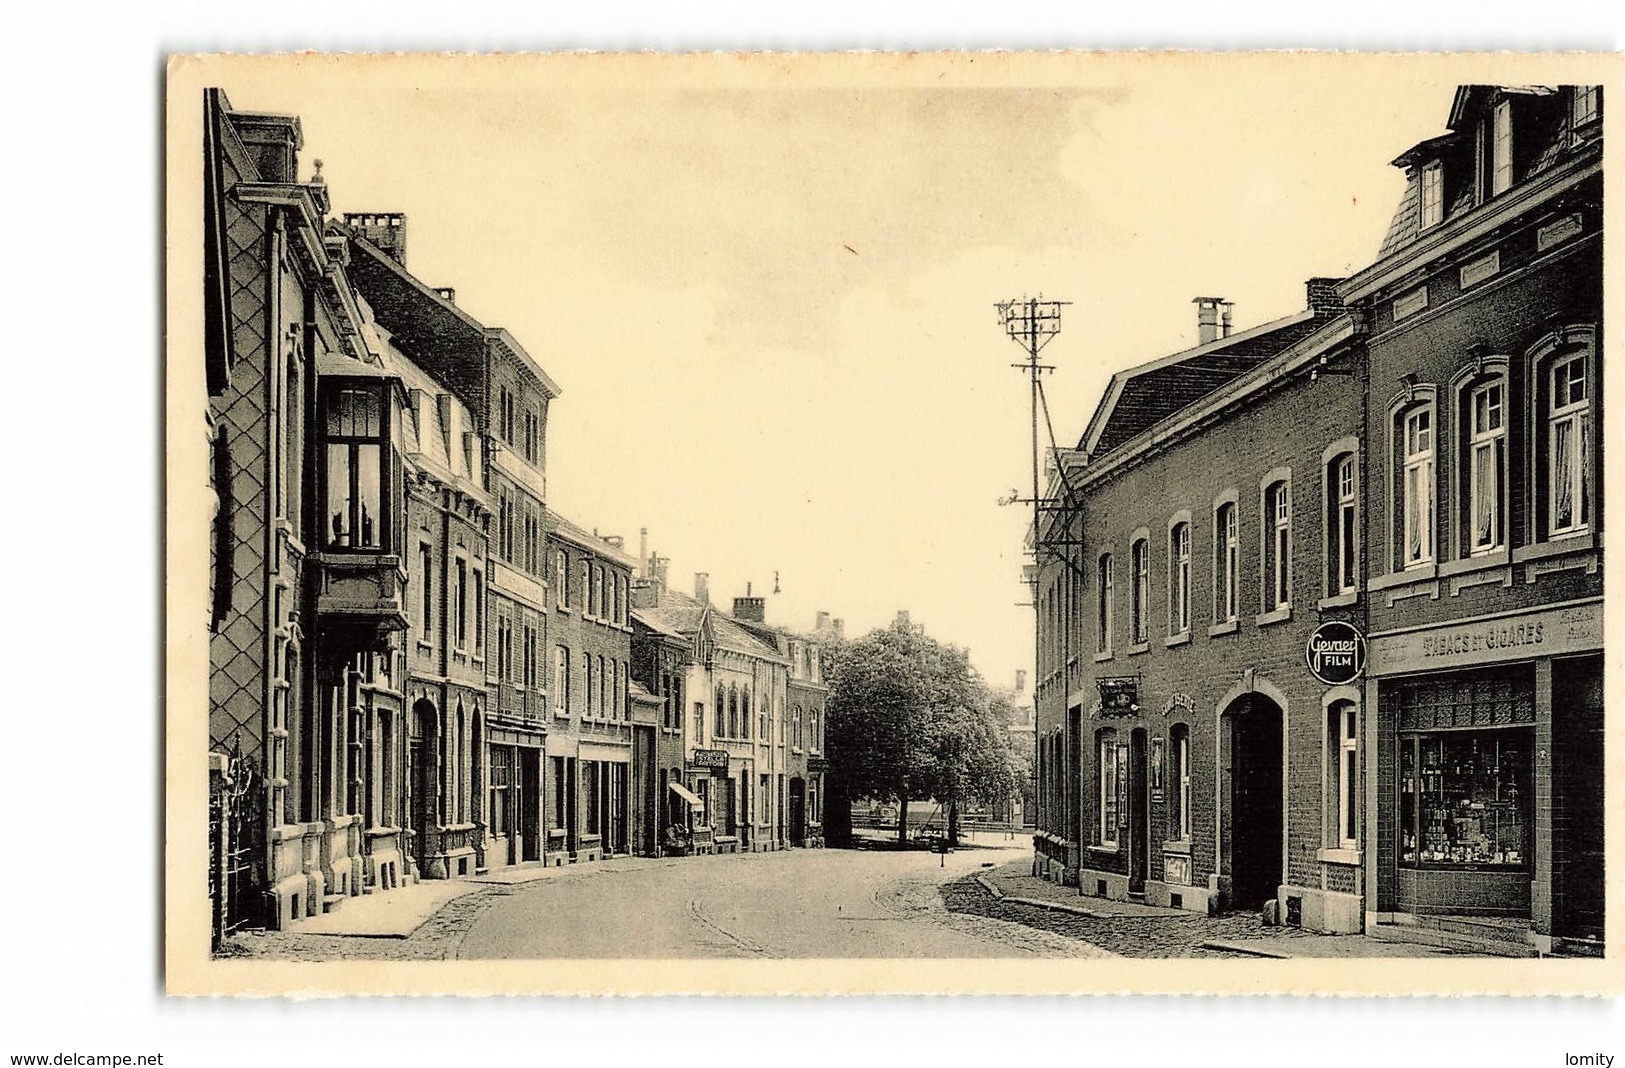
x,y
909,718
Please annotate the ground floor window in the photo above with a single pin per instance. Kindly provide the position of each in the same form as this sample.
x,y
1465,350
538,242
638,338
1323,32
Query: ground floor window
x,y
1465,798
561,794
501,773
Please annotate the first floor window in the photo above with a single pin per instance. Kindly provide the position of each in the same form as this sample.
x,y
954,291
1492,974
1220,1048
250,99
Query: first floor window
x,y
1140,594
1278,506
1179,576
1465,798
1417,488
1342,524
479,614
1569,433
1487,460
1227,558
561,680
1103,606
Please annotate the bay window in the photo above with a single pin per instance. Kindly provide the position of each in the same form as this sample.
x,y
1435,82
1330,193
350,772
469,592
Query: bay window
x,y
354,473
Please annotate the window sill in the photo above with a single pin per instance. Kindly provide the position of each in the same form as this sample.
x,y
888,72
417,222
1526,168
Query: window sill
x,y
1178,845
1277,615
1339,855
566,609
1109,849
1469,564
1229,626
1419,573
1182,638
425,647
1136,648
1568,543
1339,600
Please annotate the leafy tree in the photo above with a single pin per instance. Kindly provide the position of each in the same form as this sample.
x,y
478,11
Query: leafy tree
x,y
908,717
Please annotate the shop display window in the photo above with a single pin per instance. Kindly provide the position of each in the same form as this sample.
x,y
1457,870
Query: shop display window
x,y
1465,799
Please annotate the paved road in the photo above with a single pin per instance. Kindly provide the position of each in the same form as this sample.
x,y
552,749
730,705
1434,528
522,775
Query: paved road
x,y
800,903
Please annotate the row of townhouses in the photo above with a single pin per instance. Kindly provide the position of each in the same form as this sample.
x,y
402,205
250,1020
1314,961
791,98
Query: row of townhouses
x,y
419,669
1320,602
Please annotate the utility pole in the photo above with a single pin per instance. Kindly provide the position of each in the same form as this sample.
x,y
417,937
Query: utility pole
x,y
1032,323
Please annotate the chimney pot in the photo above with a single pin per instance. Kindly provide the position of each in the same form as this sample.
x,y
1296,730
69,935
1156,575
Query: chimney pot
x,y
1207,318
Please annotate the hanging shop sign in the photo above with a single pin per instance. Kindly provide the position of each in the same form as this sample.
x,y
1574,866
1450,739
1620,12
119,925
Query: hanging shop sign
x,y
1336,653
1119,695
716,759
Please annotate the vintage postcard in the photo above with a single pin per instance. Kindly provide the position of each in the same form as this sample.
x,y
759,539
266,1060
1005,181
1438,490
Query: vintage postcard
x,y
864,523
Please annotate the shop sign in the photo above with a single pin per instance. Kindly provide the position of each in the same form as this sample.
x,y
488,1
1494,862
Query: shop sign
x,y
1156,771
1554,632
715,759
1176,869
1119,696
1335,653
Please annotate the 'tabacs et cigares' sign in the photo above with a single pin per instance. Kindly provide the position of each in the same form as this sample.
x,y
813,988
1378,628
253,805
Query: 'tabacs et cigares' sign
x,y
1335,653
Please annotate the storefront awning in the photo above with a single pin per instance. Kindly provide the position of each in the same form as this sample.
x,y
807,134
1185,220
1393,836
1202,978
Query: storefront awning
x,y
686,794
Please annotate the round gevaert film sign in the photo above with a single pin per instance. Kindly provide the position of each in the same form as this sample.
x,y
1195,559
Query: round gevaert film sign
x,y
1336,653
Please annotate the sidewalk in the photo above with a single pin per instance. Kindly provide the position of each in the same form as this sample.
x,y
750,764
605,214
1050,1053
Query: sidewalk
x,y
1136,930
397,913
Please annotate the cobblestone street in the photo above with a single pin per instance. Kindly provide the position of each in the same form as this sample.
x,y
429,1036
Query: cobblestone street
x,y
980,902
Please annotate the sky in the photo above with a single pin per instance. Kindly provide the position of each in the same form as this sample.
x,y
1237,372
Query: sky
x,y
770,300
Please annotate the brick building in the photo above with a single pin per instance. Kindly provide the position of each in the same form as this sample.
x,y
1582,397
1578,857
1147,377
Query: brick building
x,y
726,761
589,652
1420,466
795,751
1482,324
1182,740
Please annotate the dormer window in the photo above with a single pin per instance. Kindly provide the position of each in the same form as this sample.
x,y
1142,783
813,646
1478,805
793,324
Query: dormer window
x,y
1501,148
353,475
1587,104
1432,194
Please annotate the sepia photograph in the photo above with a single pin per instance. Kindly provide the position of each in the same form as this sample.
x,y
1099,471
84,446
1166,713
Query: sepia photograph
x,y
945,522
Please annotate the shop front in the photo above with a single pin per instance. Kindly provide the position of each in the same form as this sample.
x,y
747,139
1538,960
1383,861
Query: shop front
x,y
1490,734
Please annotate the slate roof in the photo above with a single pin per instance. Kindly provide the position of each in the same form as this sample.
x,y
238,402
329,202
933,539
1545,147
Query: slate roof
x,y
1541,120
682,615
1143,396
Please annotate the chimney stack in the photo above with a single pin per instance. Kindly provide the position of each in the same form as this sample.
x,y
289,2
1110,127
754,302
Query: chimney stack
x,y
1021,680
643,551
822,623
1224,317
839,627
1323,299
750,609
1207,318
702,587
386,229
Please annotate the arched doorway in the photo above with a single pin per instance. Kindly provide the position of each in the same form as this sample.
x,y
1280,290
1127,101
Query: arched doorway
x,y
423,779
1254,805
798,812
